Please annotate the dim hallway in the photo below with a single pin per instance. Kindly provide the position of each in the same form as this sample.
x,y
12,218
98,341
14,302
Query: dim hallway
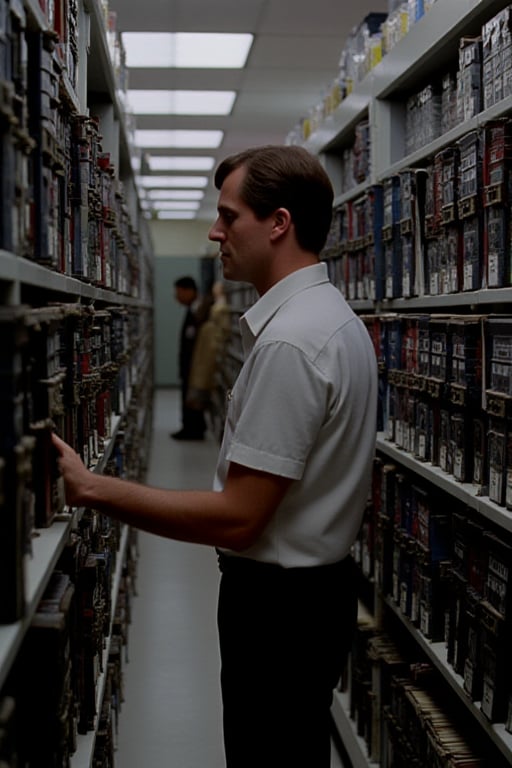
x,y
171,714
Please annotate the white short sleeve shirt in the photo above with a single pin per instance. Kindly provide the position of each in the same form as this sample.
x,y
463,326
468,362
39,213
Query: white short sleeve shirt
x,y
304,406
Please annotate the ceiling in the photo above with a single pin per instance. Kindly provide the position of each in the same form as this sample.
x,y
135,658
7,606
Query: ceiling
x,y
293,59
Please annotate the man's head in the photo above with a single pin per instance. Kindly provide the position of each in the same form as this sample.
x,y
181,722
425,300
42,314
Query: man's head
x,y
185,290
285,177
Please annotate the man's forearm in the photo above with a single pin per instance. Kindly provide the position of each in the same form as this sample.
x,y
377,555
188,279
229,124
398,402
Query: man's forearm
x,y
196,516
231,518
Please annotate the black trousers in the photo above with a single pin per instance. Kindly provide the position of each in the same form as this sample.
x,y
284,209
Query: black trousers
x,y
193,420
284,638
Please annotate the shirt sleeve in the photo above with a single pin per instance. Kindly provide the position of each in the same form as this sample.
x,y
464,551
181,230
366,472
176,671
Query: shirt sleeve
x,y
279,406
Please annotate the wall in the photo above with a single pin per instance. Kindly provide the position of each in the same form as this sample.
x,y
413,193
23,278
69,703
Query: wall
x,y
179,249
182,238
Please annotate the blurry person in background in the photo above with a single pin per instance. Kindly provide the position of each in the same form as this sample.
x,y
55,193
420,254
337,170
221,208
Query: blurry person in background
x,y
193,424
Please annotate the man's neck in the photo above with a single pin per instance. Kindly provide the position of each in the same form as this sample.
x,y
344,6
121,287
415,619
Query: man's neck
x,y
283,267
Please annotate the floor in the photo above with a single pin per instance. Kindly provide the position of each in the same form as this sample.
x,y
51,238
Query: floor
x,y
171,714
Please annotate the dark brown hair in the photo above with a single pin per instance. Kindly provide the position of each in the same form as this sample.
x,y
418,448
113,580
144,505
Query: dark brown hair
x,y
186,282
285,177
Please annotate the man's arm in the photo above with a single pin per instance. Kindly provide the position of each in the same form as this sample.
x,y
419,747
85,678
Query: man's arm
x,y
231,518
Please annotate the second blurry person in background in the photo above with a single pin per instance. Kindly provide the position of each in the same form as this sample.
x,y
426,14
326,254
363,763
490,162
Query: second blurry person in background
x,y
211,339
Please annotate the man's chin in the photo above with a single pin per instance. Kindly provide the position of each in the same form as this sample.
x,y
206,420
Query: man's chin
x,y
226,268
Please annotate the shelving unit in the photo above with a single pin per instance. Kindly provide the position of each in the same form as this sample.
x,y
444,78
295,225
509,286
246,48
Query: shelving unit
x,y
46,550
467,493
73,241
83,756
353,743
240,296
429,50
436,652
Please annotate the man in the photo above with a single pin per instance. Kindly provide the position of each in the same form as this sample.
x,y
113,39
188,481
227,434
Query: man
x,y
209,347
293,471
193,421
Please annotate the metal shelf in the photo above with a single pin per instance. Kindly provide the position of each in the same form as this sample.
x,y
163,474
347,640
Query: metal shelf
x,y
47,546
465,492
437,653
22,271
83,756
353,743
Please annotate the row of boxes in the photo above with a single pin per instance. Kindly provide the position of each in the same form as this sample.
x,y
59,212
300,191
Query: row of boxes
x,y
450,574
424,116
367,44
483,78
62,19
441,229
497,58
52,686
446,394
355,159
63,205
69,368
16,144
411,544
400,709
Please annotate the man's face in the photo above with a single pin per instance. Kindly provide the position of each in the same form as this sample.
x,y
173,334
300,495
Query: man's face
x,y
184,296
243,239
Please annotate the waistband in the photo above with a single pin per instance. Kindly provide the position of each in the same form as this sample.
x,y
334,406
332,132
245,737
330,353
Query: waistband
x,y
235,564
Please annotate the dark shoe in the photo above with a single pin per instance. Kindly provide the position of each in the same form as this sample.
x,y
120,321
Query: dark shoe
x,y
182,435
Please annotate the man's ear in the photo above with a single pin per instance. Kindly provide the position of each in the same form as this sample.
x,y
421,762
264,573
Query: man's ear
x,y
281,224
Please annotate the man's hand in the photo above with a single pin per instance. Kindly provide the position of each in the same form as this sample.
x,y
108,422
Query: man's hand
x,y
75,473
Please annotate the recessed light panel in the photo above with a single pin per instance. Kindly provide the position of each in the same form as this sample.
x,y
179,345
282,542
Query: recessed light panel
x,y
175,214
175,205
174,194
177,163
186,49
178,139
159,182
161,102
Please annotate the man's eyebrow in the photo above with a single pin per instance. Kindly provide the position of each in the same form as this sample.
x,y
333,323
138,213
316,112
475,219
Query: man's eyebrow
x,y
225,209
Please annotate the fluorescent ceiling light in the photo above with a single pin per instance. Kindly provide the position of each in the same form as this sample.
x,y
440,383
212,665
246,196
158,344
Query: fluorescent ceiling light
x,y
142,102
182,139
175,214
184,49
177,163
175,205
157,182
174,194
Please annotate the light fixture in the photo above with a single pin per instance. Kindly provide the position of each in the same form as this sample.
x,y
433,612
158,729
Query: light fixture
x,y
153,102
190,50
174,194
159,182
179,163
182,139
175,214
175,205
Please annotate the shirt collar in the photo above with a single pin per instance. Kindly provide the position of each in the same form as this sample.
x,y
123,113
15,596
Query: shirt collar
x,y
256,318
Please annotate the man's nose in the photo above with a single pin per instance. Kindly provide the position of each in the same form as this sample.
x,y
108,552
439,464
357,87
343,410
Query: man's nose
x,y
215,233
